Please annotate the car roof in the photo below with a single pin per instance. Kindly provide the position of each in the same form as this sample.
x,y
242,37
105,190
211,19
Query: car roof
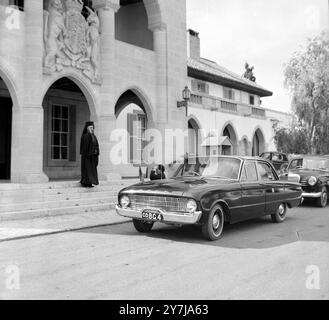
x,y
310,156
234,157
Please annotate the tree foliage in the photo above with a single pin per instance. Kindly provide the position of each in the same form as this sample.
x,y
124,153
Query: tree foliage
x,y
307,78
291,140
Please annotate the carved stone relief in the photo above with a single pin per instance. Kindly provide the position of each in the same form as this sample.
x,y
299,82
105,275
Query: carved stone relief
x,y
71,40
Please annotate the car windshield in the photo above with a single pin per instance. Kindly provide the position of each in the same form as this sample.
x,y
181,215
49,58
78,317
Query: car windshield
x,y
310,164
214,167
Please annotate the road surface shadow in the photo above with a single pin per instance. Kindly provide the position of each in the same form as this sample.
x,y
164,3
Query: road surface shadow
x,y
258,233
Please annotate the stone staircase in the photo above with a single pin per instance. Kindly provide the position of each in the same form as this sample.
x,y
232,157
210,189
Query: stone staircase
x,y
24,201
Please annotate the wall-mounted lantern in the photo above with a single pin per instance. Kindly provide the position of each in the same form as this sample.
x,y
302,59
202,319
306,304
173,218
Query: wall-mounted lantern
x,y
186,93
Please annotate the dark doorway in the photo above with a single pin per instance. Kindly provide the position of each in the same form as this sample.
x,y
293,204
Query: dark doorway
x,y
5,137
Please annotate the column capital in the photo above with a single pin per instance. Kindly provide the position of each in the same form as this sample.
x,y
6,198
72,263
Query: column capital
x,y
158,26
106,5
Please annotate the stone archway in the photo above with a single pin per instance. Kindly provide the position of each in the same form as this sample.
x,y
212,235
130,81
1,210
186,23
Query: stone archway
x,y
194,138
66,109
6,109
244,147
258,142
133,116
229,132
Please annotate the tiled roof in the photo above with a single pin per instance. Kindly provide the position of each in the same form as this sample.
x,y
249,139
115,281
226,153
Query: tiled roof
x,y
221,75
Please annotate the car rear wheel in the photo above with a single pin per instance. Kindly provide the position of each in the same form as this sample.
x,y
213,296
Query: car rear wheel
x,y
213,228
280,214
323,200
142,226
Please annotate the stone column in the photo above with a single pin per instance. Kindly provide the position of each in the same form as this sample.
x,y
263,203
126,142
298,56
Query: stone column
x,y
28,119
106,119
160,48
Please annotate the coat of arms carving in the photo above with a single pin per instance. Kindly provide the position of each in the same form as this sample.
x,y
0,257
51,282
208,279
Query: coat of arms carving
x,y
70,39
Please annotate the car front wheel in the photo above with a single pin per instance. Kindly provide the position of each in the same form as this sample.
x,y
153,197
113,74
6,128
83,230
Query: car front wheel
x,y
213,227
280,214
142,226
323,200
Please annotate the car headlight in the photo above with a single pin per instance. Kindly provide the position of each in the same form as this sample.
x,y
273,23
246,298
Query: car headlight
x,y
312,181
191,205
124,202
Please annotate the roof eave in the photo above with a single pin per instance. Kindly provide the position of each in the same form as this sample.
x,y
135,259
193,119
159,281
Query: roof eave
x,y
202,75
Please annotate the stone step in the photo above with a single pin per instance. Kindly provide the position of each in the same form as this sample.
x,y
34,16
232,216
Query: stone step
x,y
49,212
21,201
62,185
6,208
15,197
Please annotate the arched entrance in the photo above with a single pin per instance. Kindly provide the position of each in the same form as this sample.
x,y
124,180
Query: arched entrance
x,y
230,133
132,116
5,131
193,137
245,151
65,112
258,143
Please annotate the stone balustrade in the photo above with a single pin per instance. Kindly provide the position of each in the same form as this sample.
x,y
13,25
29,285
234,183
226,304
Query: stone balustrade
x,y
224,105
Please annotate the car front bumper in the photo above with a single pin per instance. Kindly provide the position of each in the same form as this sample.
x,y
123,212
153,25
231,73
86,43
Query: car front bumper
x,y
311,195
168,217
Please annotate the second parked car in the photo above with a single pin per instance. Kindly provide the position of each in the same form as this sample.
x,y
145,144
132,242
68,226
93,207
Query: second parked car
x,y
279,160
313,174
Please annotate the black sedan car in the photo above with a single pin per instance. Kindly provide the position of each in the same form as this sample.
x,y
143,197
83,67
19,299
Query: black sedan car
x,y
278,159
313,174
209,192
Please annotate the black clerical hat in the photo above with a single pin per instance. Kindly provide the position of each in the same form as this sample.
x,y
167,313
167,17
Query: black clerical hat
x,y
89,123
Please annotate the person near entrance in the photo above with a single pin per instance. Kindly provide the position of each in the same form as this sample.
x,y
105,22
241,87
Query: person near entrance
x,y
89,151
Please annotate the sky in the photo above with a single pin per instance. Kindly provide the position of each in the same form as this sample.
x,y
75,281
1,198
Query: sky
x,y
264,33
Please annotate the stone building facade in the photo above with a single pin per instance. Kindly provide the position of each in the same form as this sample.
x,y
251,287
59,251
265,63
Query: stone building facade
x,y
64,62
226,104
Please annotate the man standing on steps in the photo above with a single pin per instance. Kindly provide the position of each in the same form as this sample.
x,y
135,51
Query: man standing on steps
x,y
89,151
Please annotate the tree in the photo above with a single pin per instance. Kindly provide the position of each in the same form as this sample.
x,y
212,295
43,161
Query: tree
x,y
307,78
291,140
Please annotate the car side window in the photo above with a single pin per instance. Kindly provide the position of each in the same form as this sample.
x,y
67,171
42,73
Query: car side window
x,y
249,172
276,157
294,164
266,156
265,171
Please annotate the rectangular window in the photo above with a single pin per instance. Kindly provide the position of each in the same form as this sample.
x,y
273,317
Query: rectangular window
x,y
200,86
250,173
60,136
265,171
229,94
252,100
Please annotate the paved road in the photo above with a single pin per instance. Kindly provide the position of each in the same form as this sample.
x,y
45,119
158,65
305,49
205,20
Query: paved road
x,y
253,260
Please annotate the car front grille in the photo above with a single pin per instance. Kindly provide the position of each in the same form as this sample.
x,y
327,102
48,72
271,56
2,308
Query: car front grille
x,y
170,204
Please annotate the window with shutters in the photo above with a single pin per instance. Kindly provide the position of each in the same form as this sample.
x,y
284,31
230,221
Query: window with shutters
x,y
229,93
137,125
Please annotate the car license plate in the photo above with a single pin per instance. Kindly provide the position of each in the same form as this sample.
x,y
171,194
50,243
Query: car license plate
x,y
153,215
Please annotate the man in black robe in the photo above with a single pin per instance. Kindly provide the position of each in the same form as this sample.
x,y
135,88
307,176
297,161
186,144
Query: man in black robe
x,y
89,151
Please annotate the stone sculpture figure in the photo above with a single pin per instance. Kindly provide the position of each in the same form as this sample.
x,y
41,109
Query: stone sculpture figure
x,y
54,31
249,72
93,39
